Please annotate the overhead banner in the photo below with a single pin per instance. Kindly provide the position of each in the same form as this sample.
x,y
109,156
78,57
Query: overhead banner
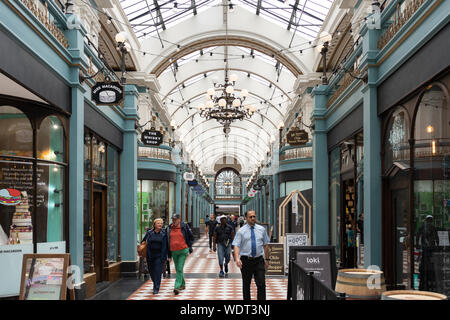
x,y
152,137
188,176
107,93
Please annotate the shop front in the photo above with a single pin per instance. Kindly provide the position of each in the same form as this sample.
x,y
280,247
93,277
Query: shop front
x,y
416,189
346,180
33,180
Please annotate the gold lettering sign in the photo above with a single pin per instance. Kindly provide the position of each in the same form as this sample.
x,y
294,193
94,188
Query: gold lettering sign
x,y
297,137
276,262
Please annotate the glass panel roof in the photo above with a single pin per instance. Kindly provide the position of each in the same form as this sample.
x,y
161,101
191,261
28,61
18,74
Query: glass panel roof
x,y
302,16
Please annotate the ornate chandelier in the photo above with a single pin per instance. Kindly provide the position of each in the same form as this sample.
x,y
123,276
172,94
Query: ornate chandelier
x,y
227,107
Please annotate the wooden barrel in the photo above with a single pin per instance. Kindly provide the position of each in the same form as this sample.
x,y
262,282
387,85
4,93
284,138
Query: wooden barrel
x,y
357,285
412,295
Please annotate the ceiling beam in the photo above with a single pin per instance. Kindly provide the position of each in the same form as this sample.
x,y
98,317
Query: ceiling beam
x,y
159,15
294,11
258,7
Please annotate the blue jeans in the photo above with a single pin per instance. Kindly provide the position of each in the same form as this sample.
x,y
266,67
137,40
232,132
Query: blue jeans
x,y
223,252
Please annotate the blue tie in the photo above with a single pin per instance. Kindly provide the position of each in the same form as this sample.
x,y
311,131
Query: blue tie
x,y
253,241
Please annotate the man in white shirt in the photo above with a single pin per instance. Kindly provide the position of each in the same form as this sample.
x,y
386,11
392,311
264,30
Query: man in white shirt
x,y
250,248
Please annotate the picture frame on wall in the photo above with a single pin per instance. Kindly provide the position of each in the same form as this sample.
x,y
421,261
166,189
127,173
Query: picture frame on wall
x,y
44,277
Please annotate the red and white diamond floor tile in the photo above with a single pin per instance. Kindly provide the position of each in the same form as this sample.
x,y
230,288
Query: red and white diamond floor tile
x,y
210,289
201,261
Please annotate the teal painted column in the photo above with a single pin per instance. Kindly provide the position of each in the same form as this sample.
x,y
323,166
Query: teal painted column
x,y
178,192
269,209
194,207
189,211
372,154
76,152
320,168
276,195
128,177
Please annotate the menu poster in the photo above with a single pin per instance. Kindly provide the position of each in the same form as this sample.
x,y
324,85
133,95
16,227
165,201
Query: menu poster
x,y
443,238
291,240
19,176
276,262
44,276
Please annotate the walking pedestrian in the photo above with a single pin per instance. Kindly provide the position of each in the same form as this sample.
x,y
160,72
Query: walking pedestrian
x,y
212,224
180,239
156,239
223,236
251,254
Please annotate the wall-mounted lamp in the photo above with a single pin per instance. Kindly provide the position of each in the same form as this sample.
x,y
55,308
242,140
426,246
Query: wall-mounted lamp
x,y
326,38
124,47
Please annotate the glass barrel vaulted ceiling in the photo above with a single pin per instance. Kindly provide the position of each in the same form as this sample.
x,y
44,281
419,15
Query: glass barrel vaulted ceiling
x,y
185,81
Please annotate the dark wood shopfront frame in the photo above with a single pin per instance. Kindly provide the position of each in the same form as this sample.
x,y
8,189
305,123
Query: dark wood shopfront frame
x,y
96,186
388,263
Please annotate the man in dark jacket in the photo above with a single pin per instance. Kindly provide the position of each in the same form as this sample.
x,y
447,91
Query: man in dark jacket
x,y
223,236
180,240
212,224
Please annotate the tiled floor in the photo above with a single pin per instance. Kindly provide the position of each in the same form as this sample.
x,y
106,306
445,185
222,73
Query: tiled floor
x,y
203,283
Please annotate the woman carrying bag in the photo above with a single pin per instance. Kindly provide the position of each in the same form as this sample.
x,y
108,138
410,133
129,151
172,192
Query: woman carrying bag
x,y
156,251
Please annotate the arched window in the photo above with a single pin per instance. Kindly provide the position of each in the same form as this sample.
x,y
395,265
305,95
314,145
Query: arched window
x,y
396,145
16,135
431,187
228,182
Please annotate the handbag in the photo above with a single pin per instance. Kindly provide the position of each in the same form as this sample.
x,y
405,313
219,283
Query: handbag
x,y
142,250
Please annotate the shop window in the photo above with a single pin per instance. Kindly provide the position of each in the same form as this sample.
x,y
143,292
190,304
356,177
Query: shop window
x,y
153,202
282,190
16,136
113,204
98,160
51,142
298,185
335,200
32,203
432,193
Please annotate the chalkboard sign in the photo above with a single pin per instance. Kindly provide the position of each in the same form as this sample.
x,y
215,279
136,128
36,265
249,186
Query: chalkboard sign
x,y
44,276
318,259
276,262
292,240
152,137
297,137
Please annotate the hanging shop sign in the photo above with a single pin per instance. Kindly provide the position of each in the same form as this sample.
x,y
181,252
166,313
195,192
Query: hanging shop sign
x,y
107,93
297,137
193,183
152,137
188,176
261,182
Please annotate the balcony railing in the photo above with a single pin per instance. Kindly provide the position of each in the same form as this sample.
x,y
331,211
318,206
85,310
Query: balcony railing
x,y
44,14
155,153
228,197
423,148
304,152
399,20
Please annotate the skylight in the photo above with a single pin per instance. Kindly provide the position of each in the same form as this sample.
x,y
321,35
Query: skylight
x,y
147,17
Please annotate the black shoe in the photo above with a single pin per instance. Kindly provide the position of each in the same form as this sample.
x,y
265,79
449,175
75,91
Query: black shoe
x,y
176,291
226,268
155,291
